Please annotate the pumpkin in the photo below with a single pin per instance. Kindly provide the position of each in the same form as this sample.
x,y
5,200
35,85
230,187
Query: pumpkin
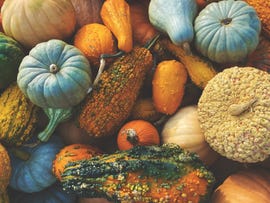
x,y
5,169
227,31
249,186
183,128
31,22
11,55
71,153
87,11
260,58
94,40
137,132
142,30
55,74
32,165
174,18
52,194
168,86
18,118
115,14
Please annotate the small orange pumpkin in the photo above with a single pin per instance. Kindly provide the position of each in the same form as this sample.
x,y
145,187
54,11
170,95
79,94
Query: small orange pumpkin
x,y
137,132
73,152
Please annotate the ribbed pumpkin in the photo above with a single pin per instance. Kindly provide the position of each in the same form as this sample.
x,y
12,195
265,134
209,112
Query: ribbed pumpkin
x,y
18,116
5,169
73,152
32,165
55,74
227,31
11,55
33,21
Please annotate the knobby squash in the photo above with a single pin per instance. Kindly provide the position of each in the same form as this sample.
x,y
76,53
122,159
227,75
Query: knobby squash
x,y
163,173
168,86
18,118
115,14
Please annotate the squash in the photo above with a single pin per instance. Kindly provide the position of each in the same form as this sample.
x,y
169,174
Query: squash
x,y
52,194
87,12
18,118
163,173
174,18
93,200
168,86
94,40
4,198
260,58
115,14
183,128
32,165
227,31
249,186
142,30
137,132
11,55
5,169
71,153
34,21
55,74
109,104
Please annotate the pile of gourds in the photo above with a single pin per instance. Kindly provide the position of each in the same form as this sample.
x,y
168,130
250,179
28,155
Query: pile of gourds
x,y
110,84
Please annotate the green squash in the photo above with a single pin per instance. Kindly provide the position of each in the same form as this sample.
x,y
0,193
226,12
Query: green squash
x,y
55,75
11,55
175,18
227,31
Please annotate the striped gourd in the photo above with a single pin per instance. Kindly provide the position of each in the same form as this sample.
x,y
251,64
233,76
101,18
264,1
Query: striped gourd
x,y
18,116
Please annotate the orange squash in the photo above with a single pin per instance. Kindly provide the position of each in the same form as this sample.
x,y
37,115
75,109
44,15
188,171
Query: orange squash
x,y
168,86
137,132
73,152
93,40
115,14
143,31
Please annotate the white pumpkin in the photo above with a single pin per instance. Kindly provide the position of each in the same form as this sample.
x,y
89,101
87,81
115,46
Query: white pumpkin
x,y
183,128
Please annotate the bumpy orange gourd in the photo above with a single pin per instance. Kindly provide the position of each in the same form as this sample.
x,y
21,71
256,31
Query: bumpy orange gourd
x,y
93,40
115,14
137,132
5,169
73,152
168,86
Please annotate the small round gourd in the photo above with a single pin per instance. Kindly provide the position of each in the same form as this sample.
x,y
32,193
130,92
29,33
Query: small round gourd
x,y
227,31
55,74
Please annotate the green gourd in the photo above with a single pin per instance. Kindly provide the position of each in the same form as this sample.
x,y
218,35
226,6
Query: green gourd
x,y
174,18
227,31
11,54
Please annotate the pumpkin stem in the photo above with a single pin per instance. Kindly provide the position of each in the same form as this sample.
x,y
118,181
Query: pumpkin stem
x,y
55,116
21,154
161,121
237,109
186,48
152,42
54,68
226,21
118,54
132,136
100,70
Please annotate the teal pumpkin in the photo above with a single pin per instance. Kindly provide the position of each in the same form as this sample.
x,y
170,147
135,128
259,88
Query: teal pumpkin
x,y
55,74
11,55
32,165
52,194
227,31
175,18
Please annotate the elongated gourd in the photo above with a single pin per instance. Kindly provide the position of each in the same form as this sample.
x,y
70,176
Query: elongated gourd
x,y
141,174
109,104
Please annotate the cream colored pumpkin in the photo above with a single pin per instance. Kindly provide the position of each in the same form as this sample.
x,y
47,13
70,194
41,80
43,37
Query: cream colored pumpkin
x,y
34,21
183,128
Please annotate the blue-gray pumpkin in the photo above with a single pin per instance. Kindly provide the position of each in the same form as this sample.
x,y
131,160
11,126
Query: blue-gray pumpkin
x,y
55,74
32,165
227,31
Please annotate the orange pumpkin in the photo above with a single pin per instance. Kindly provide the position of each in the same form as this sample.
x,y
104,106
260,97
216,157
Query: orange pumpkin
x,y
5,169
247,186
73,152
137,132
93,40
